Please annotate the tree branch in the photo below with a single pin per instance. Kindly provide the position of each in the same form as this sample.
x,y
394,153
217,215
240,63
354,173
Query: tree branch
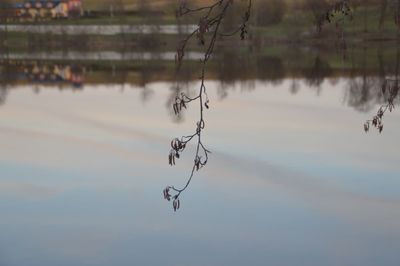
x,y
207,34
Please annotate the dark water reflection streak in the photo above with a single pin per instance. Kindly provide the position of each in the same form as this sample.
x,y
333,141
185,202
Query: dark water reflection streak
x,y
294,182
364,80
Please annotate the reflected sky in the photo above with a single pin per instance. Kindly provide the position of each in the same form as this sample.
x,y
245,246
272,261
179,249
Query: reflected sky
x,y
292,180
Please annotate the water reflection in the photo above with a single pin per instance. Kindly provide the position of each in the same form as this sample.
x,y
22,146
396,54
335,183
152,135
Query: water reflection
x,y
81,170
390,90
317,73
81,175
99,29
33,72
365,74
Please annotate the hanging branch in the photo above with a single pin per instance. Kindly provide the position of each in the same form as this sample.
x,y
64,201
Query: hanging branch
x,y
207,33
390,86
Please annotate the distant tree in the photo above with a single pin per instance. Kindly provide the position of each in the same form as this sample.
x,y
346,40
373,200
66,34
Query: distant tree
x,y
325,11
6,14
233,16
397,14
120,7
394,7
318,9
382,16
110,6
270,12
366,4
143,7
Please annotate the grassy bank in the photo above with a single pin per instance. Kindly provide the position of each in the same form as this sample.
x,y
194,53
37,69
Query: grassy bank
x,y
294,26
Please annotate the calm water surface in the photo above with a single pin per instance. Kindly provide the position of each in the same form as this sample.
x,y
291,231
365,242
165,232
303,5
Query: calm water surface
x,y
292,180
100,29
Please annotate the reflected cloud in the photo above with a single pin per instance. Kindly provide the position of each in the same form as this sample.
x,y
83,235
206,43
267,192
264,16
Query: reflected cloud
x,y
362,209
24,190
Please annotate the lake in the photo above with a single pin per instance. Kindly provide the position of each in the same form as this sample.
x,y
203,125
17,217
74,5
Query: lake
x,y
292,179
100,29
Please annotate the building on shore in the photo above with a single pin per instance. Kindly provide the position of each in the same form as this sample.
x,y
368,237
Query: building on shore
x,y
33,10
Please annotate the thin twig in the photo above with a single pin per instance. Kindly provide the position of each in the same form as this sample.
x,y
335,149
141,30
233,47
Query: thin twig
x,y
390,87
209,25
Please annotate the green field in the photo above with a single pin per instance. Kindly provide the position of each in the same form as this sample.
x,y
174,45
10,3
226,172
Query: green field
x,y
295,26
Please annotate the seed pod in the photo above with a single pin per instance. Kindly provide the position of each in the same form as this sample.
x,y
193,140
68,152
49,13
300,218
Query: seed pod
x,y
380,113
366,127
167,196
375,121
203,28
